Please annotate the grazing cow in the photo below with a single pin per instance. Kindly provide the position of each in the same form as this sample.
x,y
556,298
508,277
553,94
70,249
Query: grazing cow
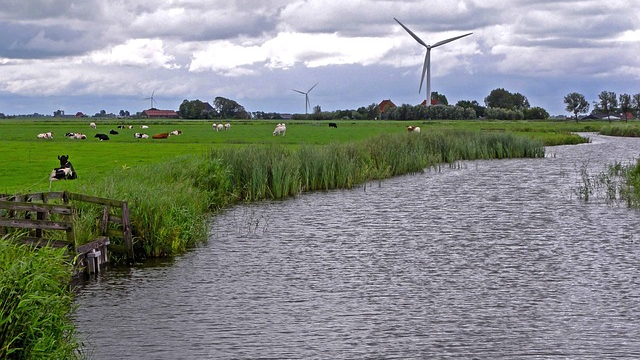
x,y
219,127
65,171
102,137
227,126
47,135
140,136
161,136
280,129
93,125
413,129
144,127
176,132
113,132
333,125
214,126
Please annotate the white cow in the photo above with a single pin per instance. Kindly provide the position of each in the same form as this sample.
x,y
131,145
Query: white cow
x,y
214,126
219,127
280,129
176,132
144,127
93,125
79,136
227,126
47,135
413,129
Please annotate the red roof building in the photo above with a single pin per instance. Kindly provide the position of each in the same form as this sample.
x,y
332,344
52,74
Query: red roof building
x,y
155,113
386,105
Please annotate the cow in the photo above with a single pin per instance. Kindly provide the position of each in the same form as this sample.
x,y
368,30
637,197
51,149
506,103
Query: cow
x,y
93,125
121,127
79,136
161,136
176,132
333,125
65,171
214,126
280,129
102,137
140,136
47,135
227,126
113,132
70,135
219,127
144,127
413,129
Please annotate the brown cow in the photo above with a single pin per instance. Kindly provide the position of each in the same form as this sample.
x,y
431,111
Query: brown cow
x,y
161,136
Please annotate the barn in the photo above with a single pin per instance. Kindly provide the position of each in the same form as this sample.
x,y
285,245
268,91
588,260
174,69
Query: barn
x,y
156,114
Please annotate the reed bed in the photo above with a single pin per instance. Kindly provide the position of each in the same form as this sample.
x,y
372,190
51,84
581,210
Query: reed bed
x,y
36,303
169,201
626,129
619,183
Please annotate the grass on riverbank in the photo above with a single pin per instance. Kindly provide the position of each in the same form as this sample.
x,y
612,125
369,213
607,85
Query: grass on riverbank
x,y
36,303
169,200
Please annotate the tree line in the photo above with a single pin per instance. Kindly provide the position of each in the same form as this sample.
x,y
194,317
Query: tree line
x,y
625,105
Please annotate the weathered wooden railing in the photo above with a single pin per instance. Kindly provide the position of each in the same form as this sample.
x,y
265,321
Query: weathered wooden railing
x,y
38,216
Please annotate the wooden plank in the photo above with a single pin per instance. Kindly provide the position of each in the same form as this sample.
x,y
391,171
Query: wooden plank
x,y
35,224
126,227
94,199
35,207
40,242
98,242
111,232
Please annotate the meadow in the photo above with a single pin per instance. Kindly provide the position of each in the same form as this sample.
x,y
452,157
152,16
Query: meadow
x,y
29,160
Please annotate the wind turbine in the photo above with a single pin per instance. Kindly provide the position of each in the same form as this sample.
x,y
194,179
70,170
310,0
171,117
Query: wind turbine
x,y
427,58
307,105
152,100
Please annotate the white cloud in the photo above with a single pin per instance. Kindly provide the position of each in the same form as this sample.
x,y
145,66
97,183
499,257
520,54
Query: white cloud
x,y
135,52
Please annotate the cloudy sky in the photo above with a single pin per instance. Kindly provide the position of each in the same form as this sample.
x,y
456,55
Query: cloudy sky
x,y
92,55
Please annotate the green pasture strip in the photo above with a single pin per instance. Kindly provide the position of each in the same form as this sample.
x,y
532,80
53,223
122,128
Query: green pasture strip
x,y
35,303
622,129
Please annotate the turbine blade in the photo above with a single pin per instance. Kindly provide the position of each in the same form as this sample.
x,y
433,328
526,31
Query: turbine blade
x,y
298,91
308,91
449,40
412,34
424,68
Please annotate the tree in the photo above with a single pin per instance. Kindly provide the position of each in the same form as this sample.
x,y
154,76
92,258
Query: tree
x,y
195,109
636,104
535,113
479,109
607,102
503,99
229,109
576,104
625,105
440,99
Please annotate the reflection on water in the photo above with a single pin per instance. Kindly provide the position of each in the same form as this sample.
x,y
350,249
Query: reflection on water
x,y
490,259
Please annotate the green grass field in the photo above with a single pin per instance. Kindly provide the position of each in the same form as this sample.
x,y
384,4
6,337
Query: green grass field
x,y
29,160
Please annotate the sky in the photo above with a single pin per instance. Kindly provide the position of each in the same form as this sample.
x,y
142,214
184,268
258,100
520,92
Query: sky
x,y
92,55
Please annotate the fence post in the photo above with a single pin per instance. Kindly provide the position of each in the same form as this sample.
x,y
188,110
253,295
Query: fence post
x,y
126,229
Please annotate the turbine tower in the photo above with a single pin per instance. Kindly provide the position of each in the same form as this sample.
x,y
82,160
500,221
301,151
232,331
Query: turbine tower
x,y
427,58
307,105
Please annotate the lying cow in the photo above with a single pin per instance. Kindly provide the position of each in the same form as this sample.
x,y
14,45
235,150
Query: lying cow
x,y
102,137
47,135
140,136
413,129
65,171
113,132
161,136
77,136
280,129
176,132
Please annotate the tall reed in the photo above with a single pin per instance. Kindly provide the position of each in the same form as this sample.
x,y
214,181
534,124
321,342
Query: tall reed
x,y
169,201
35,303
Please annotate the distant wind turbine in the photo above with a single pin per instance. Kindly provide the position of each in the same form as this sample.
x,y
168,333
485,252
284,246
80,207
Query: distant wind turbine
x,y
307,105
152,99
427,59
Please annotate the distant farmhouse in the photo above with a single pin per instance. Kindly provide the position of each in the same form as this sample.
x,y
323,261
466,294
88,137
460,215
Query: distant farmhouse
x,y
155,114
386,105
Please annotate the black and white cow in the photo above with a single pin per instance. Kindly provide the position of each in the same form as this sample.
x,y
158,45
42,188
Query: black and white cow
x,y
141,136
65,171
102,137
113,132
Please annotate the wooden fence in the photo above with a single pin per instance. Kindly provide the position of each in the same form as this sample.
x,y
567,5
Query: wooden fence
x,y
40,214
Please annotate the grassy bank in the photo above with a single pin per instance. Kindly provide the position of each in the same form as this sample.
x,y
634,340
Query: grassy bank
x,y
36,303
170,200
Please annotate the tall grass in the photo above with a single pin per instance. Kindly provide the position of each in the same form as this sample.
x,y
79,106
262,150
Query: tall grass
x,y
619,182
626,129
36,303
169,201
